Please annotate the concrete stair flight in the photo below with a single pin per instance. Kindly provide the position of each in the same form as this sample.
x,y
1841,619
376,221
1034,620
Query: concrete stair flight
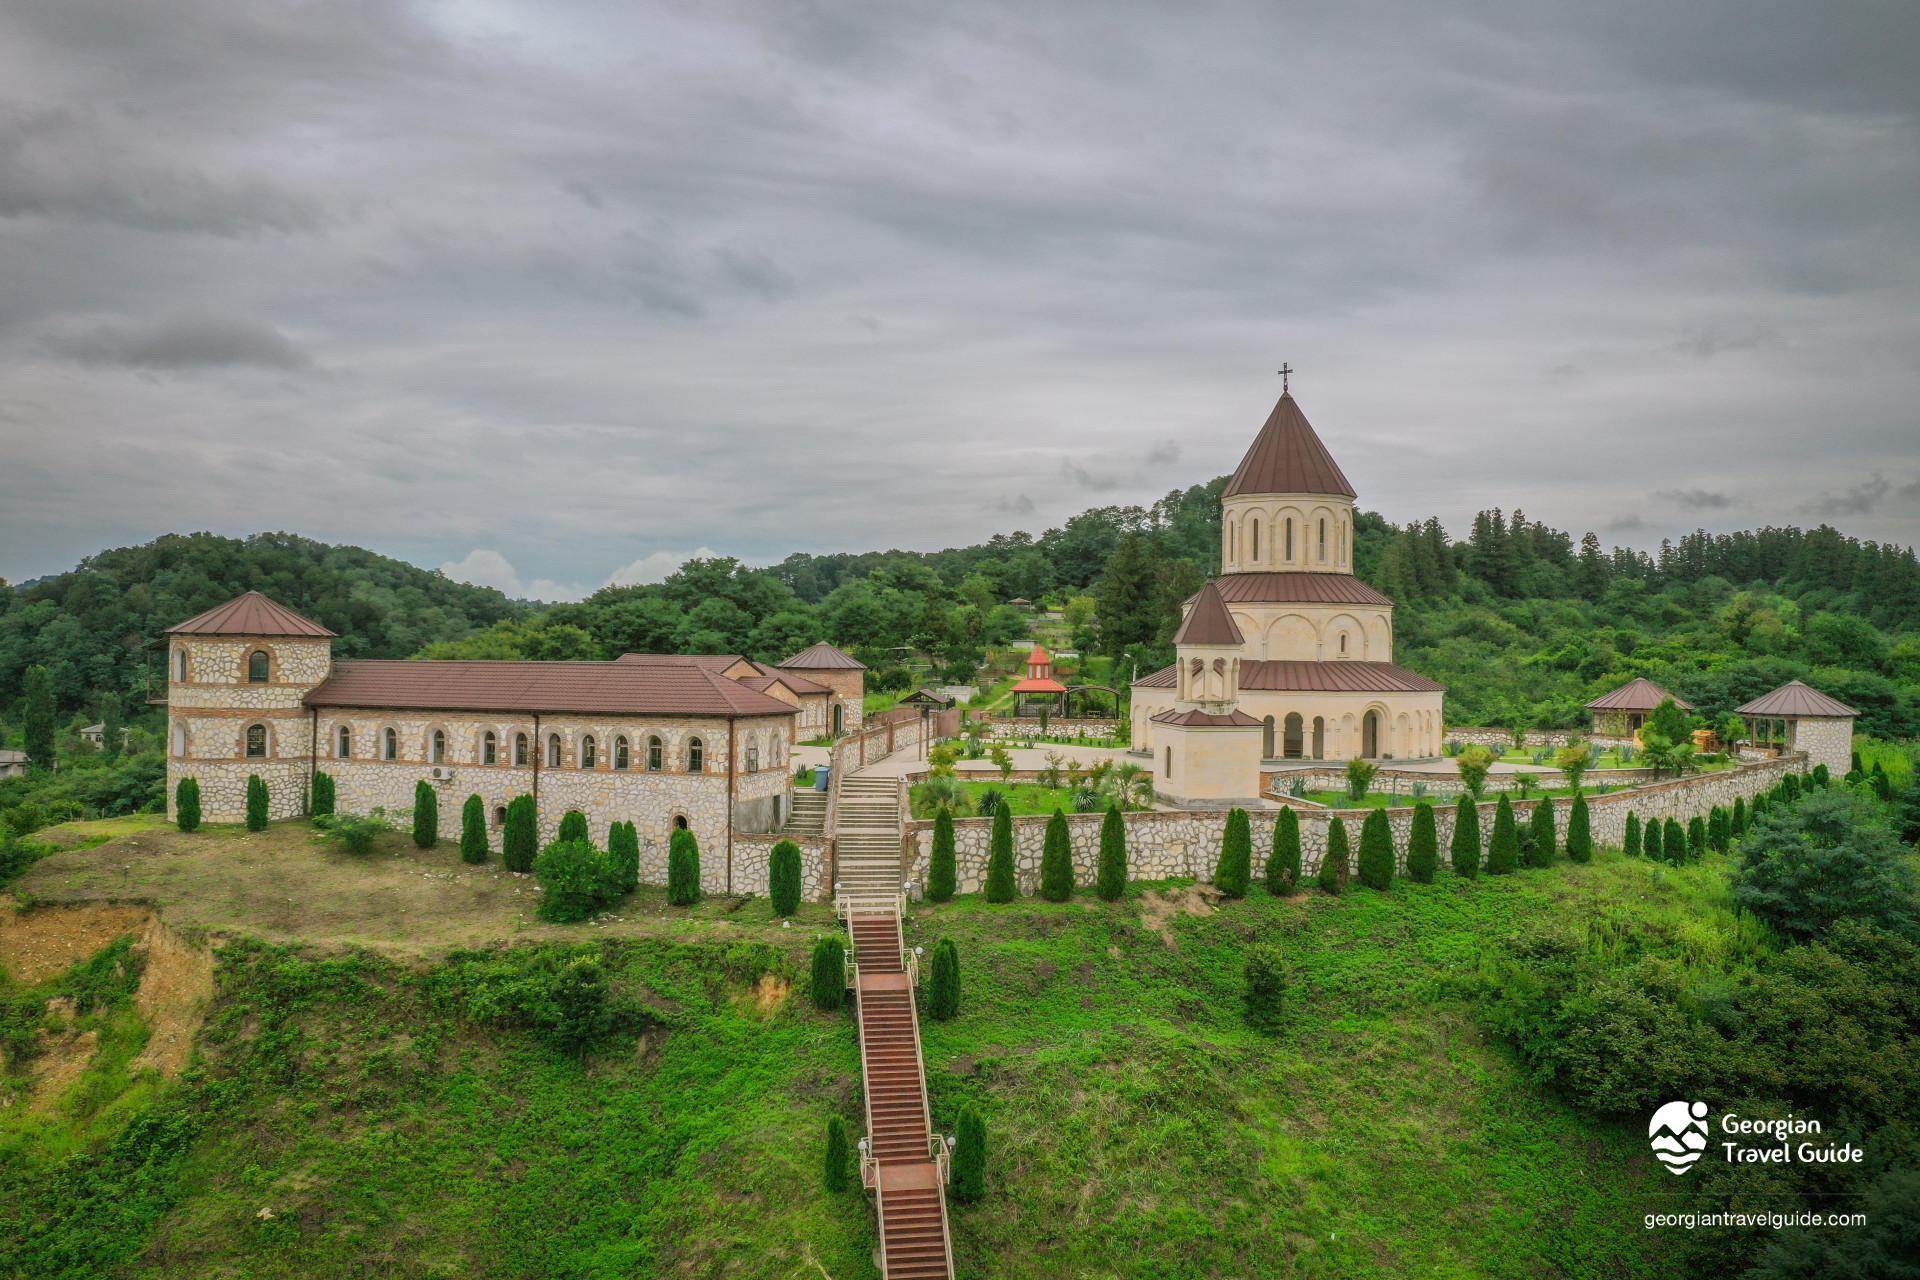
x,y
867,835
807,815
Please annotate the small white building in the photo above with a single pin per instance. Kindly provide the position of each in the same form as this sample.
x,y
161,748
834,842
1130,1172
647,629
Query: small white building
x,y
12,764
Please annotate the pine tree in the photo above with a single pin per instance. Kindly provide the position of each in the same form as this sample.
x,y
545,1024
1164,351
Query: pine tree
x,y
1541,848
1001,885
1696,838
426,814
1423,845
970,1158
1265,974
683,868
473,829
1579,833
943,875
1333,866
256,803
1283,864
1376,851
1650,841
1464,849
783,877
623,857
1719,830
1630,845
186,805
573,826
113,733
37,716
838,1153
829,975
519,839
943,981
1503,850
1235,868
1737,823
1056,860
1673,840
1111,882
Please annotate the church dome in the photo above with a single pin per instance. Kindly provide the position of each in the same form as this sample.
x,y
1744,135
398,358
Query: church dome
x,y
1287,457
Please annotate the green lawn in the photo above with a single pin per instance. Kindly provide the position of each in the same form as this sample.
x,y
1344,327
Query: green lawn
x,y
1023,797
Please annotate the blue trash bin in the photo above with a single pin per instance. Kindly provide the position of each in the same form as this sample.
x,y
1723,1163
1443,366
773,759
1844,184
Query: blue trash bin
x,y
820,778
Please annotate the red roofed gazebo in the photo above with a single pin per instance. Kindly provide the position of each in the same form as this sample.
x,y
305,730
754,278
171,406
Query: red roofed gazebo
x,y
1038,683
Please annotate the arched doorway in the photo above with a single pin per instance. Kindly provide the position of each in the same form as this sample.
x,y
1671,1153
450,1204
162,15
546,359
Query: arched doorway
x,y
838,719
1266,739
679,822
1293,744
1319,738
1370,735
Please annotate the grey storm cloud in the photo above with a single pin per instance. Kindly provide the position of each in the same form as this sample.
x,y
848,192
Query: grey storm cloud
x,y
1856,500
659,276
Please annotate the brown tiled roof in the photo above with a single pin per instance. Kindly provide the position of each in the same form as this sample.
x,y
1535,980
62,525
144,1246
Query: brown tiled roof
x,y
715,662
1287,457
590,688
798,684
1333,677
1165,678
1297,588
251,614
1207,621
1039,684
1235,719
1795,698
1638,694
824,657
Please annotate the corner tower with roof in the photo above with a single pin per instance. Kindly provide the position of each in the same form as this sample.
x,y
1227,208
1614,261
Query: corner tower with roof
x,y
1286,637
842,674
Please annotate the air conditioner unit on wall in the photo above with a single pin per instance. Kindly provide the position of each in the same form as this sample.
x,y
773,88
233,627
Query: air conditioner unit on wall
x,y
442,774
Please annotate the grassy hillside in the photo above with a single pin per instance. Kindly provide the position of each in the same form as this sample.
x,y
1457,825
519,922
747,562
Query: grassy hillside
x,y
400,1112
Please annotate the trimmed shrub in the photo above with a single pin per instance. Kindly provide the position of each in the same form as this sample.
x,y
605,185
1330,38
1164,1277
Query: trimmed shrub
x,y
573,880
1579,830
683,869
1001,885
1650,842
1056,860
520,838
1674,841
323,795
1376,851
1789,787
1333,867
186,805
1111,882
1283,864
623,857
943,981
1719,830
1503,849
1737,820
1235,868
839,1154
1630,843
783,878
582,1011
1266,978
943,873
1821,776
256,803
426,814
473,829
829,972
1540,849
573,826
1464,850
1423,845
970,1158
1696,838
355,834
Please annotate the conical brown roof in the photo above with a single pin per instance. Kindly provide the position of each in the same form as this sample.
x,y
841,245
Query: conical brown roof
x,y
251,614
1637,694
824,657
1287,457
1208,621
1793,699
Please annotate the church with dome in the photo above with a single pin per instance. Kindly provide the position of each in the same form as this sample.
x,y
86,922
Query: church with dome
x,y
1285,656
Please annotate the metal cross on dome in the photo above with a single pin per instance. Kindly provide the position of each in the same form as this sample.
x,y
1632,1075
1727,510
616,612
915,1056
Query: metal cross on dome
x,y
1285,370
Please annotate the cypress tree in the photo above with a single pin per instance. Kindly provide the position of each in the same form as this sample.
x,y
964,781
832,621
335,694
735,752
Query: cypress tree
x,y
323,795
1001,885
1111,882
838,1153
1790,787
1737,822
683,868
37,716
1464,849
1423,845
186,804
1579,833
573,826
473,829
1266,985
1541,848
256,803
1719,830
943,981
1650,841
783,877
1857,768
1283,864
1696,838
1056,860
520,838
1673,841
426,814
1376,851
1821,776
829,977
1333,866
970,1158
1235,868
623,857
1882,784
943,875
1631,844
1503,850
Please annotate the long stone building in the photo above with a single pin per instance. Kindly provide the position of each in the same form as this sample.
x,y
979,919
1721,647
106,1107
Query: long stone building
x,y
661,740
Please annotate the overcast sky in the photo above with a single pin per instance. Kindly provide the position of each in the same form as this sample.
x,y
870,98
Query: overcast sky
x,y
556,293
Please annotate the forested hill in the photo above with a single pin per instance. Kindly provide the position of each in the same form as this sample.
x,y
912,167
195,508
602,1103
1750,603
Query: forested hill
x,y
88,626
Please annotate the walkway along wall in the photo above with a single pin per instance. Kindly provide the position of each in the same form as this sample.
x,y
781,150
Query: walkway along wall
x,y
1185,844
